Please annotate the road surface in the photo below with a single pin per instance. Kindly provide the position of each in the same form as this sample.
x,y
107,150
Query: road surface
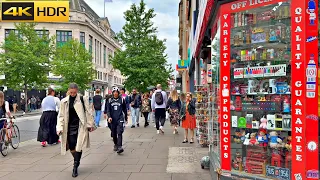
x,y
28,127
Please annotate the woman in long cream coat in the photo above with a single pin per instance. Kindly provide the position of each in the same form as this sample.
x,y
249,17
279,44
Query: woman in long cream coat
x,y
74,129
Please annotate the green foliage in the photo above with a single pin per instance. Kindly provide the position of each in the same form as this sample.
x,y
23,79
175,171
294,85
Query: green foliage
x,y
143,62
25,58
74,63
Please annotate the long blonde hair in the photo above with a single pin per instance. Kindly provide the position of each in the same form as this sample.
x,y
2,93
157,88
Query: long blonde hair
x,y
174,95
1,98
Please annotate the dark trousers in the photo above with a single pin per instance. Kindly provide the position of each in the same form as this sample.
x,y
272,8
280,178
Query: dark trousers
x,y
160,116
146,115
117,131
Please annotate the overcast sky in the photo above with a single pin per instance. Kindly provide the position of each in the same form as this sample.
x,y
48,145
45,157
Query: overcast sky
x,y
166,20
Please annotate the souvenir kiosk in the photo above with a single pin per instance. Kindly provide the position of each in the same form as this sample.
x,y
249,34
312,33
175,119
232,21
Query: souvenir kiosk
x,y
267,93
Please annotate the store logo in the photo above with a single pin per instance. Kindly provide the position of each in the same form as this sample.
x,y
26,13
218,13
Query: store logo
x,y
38,11
312,117
311,38
313,174
298,176
312,146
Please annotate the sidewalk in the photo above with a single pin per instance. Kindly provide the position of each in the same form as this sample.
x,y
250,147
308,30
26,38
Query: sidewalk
x,y
147,156
20,113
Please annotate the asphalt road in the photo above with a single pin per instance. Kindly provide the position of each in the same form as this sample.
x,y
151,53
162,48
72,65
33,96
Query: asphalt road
x,y
28,127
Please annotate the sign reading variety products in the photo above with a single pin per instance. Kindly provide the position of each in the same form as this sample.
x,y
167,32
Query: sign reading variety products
x,y
35,11
225,92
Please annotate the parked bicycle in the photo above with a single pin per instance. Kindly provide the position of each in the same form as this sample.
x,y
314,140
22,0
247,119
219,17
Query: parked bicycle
x,y
9,134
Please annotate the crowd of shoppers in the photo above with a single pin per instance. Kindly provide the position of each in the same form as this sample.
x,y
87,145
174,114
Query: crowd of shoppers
x,y
72,119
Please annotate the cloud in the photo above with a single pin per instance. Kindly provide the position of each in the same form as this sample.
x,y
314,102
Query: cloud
x,y
166,20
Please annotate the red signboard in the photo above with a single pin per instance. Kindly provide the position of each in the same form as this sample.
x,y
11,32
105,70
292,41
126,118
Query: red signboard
x,y
298,81
225,134
311,65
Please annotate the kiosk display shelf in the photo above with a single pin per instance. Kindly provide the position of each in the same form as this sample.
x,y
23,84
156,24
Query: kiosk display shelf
x,y
267,90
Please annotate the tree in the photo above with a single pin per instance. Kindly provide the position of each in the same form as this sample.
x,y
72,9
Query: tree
x,y
74,64
25,58
143,61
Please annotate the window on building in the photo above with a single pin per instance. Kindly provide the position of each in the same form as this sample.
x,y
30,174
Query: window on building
x,y
100,75
95,51
8,31
42,33
83,8
100,52
104,56
90,44
83,39
63,37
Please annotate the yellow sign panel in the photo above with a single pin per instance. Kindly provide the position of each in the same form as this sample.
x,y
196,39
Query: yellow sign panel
x,y
36,11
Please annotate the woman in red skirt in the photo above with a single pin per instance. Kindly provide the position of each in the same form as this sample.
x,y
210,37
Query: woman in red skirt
x,y
188,110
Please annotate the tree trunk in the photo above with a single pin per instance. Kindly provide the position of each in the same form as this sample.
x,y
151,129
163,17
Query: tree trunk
x,y
26,97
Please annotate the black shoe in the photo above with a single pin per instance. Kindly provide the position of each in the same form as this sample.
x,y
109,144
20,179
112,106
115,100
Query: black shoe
x,y
115,148
76,164
120,150
75,169
146,124
133,126
138,125
185,141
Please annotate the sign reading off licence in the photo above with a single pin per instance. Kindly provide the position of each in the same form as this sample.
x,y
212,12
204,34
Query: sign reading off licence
x,y
36,11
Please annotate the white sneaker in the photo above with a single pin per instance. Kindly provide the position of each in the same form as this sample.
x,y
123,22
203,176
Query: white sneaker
x,y
155,126
174,132
161,129
158,132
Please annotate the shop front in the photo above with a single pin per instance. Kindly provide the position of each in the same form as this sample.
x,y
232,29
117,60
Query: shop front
x,y
265,86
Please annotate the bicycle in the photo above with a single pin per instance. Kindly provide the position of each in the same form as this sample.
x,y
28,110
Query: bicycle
x,y
9,134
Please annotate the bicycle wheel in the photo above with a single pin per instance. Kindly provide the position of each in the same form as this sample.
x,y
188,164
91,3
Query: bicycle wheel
x,y
15,137
4,146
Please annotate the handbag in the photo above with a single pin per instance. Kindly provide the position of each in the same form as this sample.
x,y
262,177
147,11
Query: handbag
x,y
85,112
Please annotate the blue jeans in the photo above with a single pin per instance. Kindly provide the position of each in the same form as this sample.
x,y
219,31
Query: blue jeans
x,y
97,117
135,115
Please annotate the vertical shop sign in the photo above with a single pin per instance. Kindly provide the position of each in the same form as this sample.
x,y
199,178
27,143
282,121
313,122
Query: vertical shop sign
x,y
311,64
298,40
225,92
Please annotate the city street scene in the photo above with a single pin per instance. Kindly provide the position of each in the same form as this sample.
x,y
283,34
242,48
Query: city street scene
x,y
161,90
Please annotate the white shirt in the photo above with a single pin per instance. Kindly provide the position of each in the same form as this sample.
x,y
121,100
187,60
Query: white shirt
x,y
154,105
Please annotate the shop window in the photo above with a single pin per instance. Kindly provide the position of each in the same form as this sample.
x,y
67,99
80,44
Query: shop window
x,y
42,33
260,90
104,56
259,72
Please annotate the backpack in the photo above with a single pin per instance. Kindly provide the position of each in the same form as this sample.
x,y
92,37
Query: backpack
x,y
159,98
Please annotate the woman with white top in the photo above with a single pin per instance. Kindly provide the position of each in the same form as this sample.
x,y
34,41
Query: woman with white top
x,y
48,121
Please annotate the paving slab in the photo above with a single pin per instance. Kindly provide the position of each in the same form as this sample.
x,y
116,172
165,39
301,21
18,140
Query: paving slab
x,y
25,175
108,176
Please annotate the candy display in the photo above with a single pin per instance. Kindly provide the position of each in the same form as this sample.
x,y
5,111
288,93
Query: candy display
x,y
203,113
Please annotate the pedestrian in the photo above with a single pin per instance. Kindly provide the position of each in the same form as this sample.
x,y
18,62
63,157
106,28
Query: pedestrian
x,y
97,104
188,111
173,107
38,102
118,117
104,109
75,121
4,109
159,104
33,102
135,103
47,132
15,104
182,107
146,108
23,104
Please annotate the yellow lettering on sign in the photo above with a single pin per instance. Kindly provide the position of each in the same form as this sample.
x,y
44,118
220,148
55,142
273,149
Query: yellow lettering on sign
x,y
17,11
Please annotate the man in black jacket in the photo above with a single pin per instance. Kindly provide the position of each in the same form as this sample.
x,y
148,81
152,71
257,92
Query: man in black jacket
x,y
135,103
116,109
